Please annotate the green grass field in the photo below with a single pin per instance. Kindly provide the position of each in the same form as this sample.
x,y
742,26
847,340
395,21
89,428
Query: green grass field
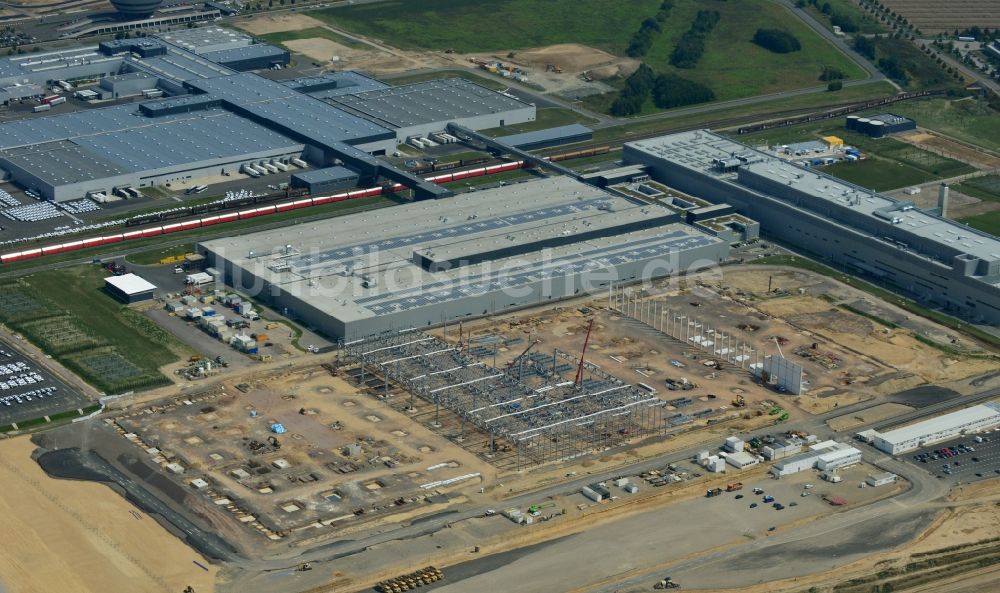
x,y
985,188
988,223
500,25
148,258
761,111
732,65
878,174
67,313
891,164
311,33
757,71
970,120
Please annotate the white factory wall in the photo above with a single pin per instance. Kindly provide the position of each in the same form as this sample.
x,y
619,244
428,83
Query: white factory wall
x,y
933,435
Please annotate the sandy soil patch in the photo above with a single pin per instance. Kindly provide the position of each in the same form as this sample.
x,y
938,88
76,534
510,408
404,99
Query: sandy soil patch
x,y
568,56
83,537
317,48
262,25
952,149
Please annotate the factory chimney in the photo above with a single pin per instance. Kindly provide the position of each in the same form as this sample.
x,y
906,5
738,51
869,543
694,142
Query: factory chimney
x,y
943,200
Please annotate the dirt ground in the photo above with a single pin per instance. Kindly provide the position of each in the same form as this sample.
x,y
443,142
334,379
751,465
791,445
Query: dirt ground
x,y
65,535
950,148
582,67
319,49
264,24
313,477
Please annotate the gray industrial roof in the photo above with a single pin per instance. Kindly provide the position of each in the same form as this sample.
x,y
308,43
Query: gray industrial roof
x,y
298,113
130,142
548,135
180,65
335,83
382,244
206,39
259,50
326,174
427,102
698,150
62,162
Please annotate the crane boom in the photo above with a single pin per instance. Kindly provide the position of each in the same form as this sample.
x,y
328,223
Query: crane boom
x,y
579,367
511,364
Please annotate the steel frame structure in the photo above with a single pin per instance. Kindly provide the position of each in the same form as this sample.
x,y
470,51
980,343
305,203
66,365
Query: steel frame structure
x,y
691,331
551,422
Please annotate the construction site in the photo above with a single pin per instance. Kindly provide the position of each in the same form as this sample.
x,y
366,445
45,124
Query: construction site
x,y
399,424
297,457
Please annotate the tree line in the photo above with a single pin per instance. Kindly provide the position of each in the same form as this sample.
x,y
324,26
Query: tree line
x,y
642,39
691,45
667,90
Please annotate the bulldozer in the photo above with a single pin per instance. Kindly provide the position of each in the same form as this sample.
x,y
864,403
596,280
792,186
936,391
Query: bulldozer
x,y
666,583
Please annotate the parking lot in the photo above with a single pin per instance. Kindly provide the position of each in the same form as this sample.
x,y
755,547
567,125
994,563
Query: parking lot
x,y
27,391
974,461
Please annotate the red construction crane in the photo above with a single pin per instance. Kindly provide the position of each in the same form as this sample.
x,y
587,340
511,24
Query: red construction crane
x,y
579,367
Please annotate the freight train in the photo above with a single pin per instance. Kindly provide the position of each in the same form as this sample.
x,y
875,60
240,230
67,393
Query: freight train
x,y
247,213
837,112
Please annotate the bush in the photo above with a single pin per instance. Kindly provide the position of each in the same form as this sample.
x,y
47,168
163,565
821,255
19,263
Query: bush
x,y
777,41
830,73
846,23
671,90
637,88
836,85
865,47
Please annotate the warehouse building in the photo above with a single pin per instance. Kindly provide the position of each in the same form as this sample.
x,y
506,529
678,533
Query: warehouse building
x,y
808,459
129,288
423,108
935,430
782,448
840,457
218,118
882,479
477,254
742,460
329,179
932,259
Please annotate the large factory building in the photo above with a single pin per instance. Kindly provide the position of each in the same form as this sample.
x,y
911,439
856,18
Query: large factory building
x,y
217,120
481,253
933,259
